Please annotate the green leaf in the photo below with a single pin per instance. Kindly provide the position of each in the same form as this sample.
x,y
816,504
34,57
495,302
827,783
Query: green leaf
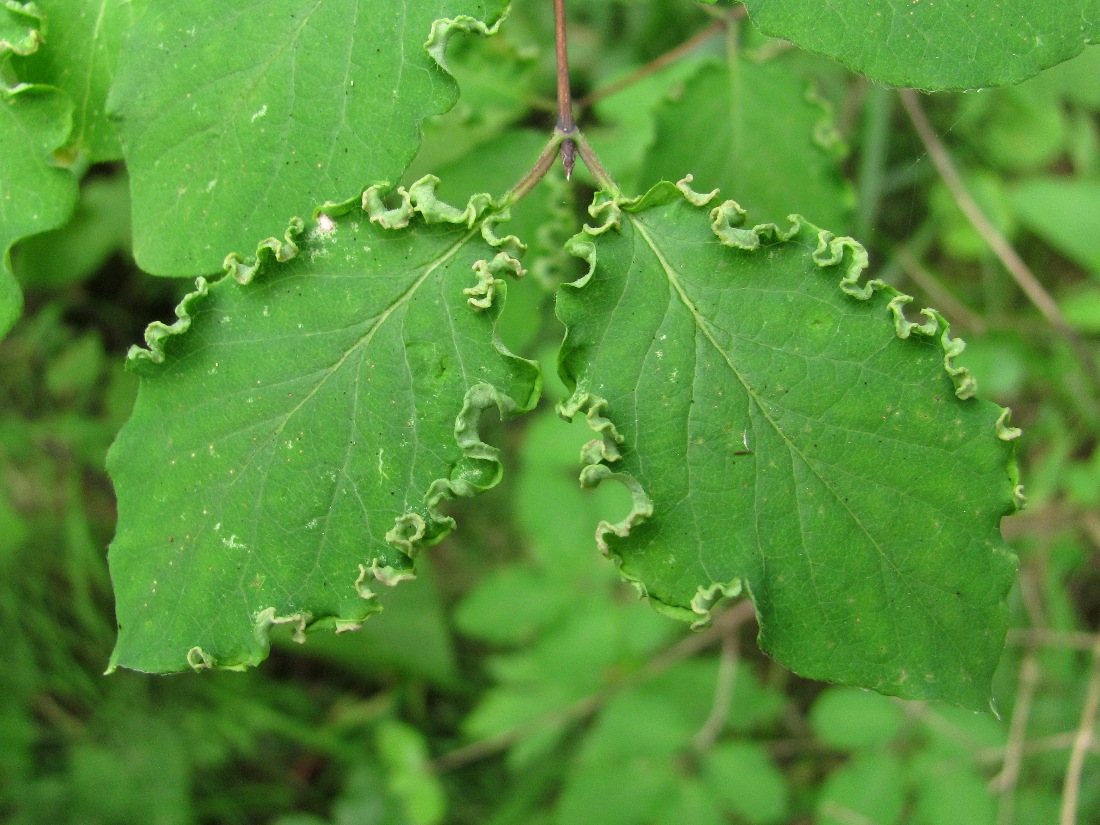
x,y
542,217
850,719
547,478
783,427
100,226
950,792
35,195
404,751
298,426
745,778
629,765
510,605
20,28
770,142
693,802
869,789
627,119
410,637
79,57
497,82
233,122
626,793
1073,81
1017,130
586,652
935,44
1082,308
1066,214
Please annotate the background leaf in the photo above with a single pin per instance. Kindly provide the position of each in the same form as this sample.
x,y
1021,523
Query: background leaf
x,y
1066,214
35,195
305,428
946,44
234,121
770,143
79,57
867,789
99,227
783,425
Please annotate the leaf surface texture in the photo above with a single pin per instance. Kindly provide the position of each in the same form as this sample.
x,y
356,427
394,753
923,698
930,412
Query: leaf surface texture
x,y
298,426
235,119
936,44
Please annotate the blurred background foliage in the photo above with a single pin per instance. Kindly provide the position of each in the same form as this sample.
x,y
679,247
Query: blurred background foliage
x,y
517,680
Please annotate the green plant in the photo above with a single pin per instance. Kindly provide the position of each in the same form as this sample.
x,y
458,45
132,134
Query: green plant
x,y
779,426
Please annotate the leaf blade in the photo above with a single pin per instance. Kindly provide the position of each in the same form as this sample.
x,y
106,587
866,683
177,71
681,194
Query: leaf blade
x,y
35,120
777,432
306,425
80,58
279,110
948,44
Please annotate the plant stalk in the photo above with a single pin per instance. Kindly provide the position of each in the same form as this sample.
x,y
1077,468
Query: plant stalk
x,y
529,181
566,124
602,176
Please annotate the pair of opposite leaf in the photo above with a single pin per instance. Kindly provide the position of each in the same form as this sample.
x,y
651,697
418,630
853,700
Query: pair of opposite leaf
x,y
783,427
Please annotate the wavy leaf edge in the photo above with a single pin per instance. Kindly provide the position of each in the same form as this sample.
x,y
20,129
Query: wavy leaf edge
x,y
445,28
727,220
479,467
36,21
435,46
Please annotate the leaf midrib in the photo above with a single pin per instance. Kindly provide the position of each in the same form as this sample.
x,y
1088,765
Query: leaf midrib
x,y
704,326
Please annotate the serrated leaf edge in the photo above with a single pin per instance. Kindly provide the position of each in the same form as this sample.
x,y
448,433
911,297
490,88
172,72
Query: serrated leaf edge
x,y
478,469
727,222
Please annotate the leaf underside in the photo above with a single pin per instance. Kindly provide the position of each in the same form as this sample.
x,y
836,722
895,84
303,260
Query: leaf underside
x,y
298,426
783,427
936,44
235,119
